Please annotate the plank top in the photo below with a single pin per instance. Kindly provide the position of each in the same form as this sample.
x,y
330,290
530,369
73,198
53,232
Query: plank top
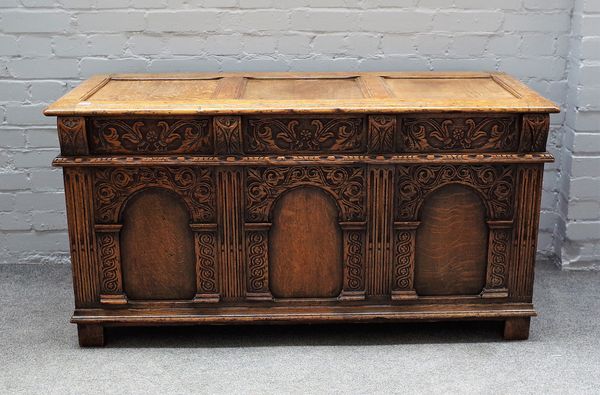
x,y
243,93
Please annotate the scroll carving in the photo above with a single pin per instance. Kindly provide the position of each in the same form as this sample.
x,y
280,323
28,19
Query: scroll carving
x,y
404,261
206,263
382,129
498,250
534,133
475,133
228,135
495,183
151,136
110,260
304,135
113,186
258,261
265,184
354,261
72,136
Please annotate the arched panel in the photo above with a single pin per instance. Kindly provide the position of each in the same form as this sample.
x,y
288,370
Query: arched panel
x,y
451,243
305,246
157,247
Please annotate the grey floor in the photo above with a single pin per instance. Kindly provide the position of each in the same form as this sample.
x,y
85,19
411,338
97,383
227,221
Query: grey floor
x,y
39,352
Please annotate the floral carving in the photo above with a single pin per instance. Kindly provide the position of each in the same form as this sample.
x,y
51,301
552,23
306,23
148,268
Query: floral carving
x,y
113,186
72,136
381,133
495,183
534,133
265,184
282,135
437,134
228,135
151,136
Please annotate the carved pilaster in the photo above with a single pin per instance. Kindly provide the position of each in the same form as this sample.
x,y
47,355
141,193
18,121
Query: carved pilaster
x,y
499,243
403,271
534,132
228,135
80,217
205,241
109,256
231,241
382,129
257,260
72,136
354,261
379,243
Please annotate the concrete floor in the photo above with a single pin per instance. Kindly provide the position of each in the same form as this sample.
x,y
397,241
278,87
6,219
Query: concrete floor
x,y
39,352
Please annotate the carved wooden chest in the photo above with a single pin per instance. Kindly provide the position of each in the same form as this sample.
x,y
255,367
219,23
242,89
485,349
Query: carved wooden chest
x,y
287,198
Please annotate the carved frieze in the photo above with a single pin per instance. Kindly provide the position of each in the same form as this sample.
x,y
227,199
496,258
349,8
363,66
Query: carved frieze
x,y
186,135
458,134
304,135
495,183
345,184
113,186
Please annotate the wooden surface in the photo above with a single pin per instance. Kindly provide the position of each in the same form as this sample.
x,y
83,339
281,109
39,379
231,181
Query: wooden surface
x,y
256,93
289,198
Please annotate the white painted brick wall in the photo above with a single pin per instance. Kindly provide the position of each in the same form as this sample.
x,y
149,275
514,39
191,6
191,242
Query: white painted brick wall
x,y
580,212
49,46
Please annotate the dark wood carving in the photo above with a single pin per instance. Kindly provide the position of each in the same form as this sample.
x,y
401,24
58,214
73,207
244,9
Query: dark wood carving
x,y
113,186
404,261
72,136
458,134
109,258
345,184
382,129
165,136
257,250
228,135
294,198
494,183
304,135
534,132
205,240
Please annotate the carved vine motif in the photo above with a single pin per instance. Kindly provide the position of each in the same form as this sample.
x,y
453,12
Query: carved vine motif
x,y
499,248
381,133
535,132
206,262
109,260
113,186
494,182
72,136
354,259
403,256
228,135
497,134
256,244
265,184
282,135
151,136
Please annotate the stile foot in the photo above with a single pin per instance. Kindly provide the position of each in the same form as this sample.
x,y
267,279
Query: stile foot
x,y
516,328
90,335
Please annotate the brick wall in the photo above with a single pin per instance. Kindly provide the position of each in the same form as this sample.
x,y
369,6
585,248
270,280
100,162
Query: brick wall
x,y
49,46
580,180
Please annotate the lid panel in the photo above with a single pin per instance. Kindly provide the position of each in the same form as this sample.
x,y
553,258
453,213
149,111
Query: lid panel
x,y
155,90
447,88
302,89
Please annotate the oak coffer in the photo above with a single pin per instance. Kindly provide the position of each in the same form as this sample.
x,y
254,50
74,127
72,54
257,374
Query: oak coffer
x,y
302,197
